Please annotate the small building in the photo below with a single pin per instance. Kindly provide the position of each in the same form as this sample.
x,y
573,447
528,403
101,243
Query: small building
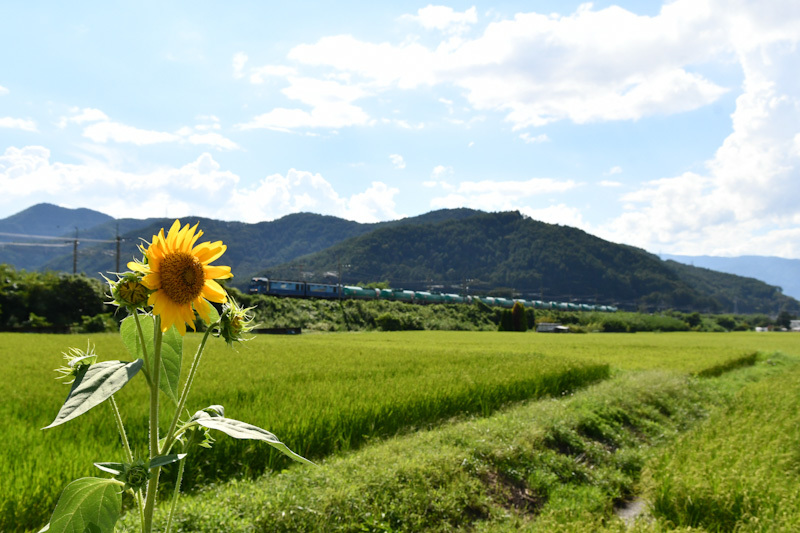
x,y
551,327
794,325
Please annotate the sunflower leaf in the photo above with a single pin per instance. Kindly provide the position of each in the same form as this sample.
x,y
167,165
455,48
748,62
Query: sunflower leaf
x,y
243,430
171,351
130,335
95,386
171,355
87,504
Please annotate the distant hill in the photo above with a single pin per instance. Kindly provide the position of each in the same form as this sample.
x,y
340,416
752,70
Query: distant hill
x,y
784,273
43,220
507,252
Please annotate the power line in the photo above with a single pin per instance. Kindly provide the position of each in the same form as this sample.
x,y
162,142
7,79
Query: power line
x,y
49,238
50,245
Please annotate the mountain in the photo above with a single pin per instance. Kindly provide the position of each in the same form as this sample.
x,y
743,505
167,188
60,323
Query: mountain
x,y
737,294
451,249
784,273
43,220
512,254
251,247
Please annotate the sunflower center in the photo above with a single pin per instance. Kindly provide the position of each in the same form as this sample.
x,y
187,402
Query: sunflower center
x,y
182,277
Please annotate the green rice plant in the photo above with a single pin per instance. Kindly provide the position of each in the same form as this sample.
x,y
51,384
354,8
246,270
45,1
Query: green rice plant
x,y
741,470
500,473
341,390
337,392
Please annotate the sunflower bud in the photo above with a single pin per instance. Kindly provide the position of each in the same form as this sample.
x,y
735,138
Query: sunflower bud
x,y
129,291
135,476
235,322
77,363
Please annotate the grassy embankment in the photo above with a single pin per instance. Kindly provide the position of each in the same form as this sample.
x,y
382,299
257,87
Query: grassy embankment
x,y
321,393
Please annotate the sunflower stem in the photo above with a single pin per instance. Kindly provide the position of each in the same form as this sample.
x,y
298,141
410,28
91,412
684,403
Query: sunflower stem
x,y
144,348
152,484
128,452
175,494
187,386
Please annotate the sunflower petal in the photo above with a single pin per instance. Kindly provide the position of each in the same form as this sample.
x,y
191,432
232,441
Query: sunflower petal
x,y
152,281
203,309
213,292
209,251
172,235
217,272
138,267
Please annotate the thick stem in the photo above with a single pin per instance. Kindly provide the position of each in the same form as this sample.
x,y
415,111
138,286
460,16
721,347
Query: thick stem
x,y
152,485
187,386
144,347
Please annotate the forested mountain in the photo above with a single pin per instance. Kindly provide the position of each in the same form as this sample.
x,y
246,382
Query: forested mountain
x,y
43,220
451,249
251,247
512,254
736,294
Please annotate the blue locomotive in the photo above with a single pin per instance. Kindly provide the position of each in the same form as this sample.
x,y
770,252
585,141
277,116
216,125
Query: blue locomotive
x,y
302,289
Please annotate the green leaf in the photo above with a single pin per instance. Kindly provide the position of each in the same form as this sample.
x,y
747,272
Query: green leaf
x,y
163,460
87,504
130,335
213,315
243,430
171,351
111,468
171,355
100,381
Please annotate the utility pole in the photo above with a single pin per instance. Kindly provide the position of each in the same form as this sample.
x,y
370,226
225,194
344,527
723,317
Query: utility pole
x,y
118,239
75,252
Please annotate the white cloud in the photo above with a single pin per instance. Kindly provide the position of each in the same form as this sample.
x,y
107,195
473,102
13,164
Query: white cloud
x,y
212,139
3,90
556,214
591,65
260,75
610,183
200,188
531,139
102,132
444,19
278,195
374,204
440,172
397,161
501,195
99,128
746,201
613,170
81,116
18,124
326,116
27,175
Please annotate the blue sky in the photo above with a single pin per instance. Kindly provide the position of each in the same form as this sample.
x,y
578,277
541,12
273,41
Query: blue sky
x,y
670,126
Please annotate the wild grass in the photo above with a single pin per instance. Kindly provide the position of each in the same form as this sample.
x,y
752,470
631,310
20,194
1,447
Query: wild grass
x,y
741,470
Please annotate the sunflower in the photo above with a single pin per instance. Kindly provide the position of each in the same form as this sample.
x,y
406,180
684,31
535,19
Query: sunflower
x,y
180,275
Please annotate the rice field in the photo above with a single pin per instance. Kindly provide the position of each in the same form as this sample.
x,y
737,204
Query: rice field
x,y
321,394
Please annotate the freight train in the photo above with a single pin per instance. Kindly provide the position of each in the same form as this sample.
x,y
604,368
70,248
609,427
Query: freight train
x,y
302,289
